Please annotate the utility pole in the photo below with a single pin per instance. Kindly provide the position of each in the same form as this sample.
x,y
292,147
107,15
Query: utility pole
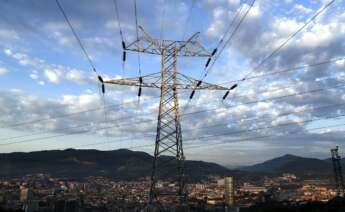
x,y
169,133
338,174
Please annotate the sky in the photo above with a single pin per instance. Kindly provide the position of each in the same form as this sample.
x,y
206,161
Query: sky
x,y
50,97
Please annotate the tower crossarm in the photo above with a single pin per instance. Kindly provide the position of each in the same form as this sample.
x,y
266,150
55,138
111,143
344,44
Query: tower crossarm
x,y
148,44
148,81
187,82
154,81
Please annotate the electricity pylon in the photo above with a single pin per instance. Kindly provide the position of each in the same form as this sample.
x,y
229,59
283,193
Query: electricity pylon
x,y
338,174
169,81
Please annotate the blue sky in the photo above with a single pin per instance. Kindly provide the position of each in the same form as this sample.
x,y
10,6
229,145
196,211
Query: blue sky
x,y
44,74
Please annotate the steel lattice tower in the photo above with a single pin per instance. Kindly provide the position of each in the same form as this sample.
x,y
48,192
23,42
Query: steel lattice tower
x,y
169,134
338,174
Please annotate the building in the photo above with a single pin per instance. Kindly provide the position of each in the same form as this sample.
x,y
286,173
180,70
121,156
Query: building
x,y
24,194
248,188
229,191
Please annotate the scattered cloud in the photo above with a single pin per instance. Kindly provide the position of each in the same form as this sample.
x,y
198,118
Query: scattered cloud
x,y
52,75
3,70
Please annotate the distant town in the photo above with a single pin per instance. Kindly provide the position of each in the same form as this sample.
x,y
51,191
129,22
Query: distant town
x,y
42,192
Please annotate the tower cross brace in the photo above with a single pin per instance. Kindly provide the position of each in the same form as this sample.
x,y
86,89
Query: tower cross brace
x,y
169,133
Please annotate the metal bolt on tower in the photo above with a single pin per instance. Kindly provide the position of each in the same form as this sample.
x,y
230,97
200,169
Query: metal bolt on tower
x,y
338,174
169,81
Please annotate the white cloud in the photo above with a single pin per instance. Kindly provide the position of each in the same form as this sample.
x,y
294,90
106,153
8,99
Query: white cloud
x,y
3,70
52,75
233,2
254,12
322,34
83,101
34,76
9,35
76,76
53,72
285,26
302,9
8,52
218,25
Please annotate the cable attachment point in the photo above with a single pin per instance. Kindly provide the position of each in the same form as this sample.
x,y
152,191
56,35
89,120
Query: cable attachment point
x,y
214,52
192,94
100,79
208,62
228,91
140,83
124,53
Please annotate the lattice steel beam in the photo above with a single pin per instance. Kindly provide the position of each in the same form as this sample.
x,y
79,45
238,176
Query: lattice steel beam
x,y
338,174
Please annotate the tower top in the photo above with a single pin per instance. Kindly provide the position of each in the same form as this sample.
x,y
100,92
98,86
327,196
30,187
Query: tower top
x,y
148,44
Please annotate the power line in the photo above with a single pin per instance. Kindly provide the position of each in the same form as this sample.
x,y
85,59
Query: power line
x,y
70,114
85,53
216,135
190,113
143,122
238,12
118,19
193,146
163,8
123,43
187,114
269,127
288,70
137,34
190,139
280,46
113,120
274,98
201,111
250,102
260,137
233,81
75,113
207,68
292,36
76,36
187,19
230,38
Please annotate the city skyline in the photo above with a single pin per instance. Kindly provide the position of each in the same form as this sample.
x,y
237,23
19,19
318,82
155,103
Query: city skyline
x,y
44,76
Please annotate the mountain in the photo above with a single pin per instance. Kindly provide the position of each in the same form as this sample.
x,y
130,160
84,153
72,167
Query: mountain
x,y
120,164
125,164
300,166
